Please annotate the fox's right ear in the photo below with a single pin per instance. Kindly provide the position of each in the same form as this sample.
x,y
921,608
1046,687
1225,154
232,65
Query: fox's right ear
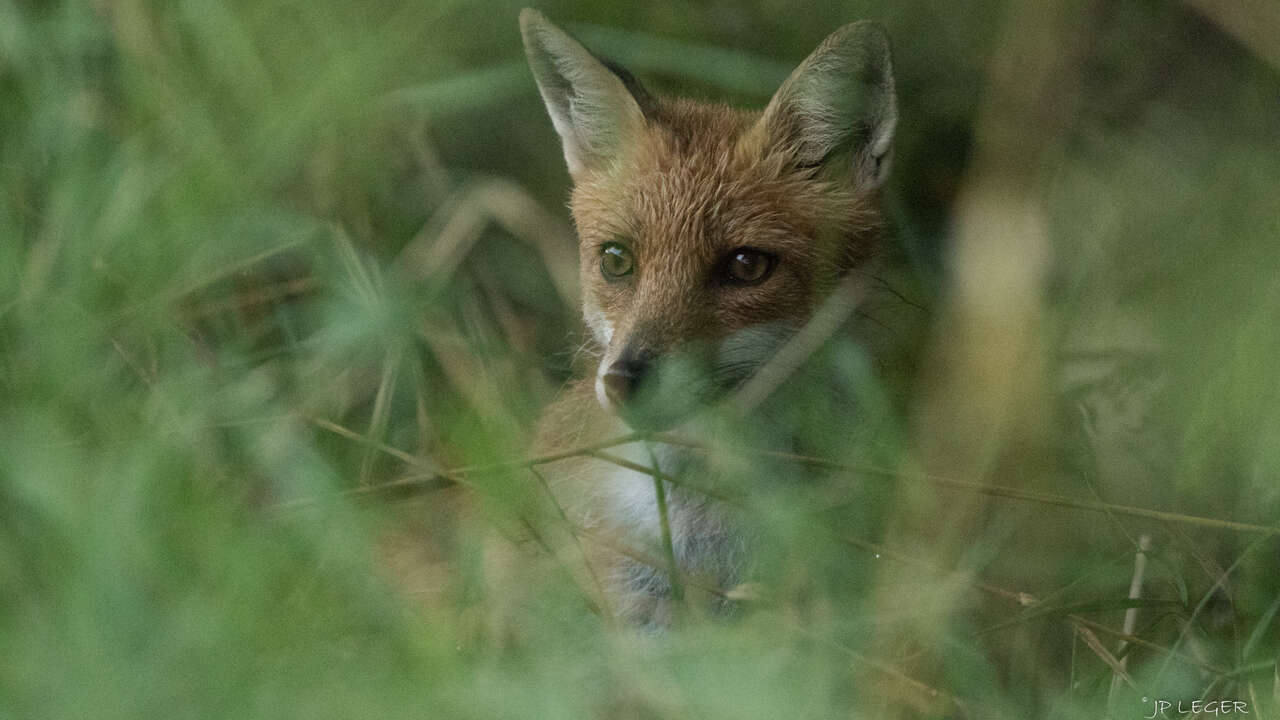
x,y
592,110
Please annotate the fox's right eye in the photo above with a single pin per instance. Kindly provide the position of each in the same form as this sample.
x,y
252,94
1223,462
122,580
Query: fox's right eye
x,y
616,261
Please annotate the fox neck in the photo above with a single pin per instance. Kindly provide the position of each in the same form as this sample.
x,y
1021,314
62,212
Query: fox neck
x,y
709,539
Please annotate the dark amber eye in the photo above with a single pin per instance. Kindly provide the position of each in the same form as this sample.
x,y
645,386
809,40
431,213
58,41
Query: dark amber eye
x,y
616,261
746,266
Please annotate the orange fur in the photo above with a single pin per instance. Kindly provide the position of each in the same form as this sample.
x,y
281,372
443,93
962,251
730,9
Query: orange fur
x,y
696,185
682,186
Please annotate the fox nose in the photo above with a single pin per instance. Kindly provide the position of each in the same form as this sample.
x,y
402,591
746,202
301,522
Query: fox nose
x,y
624,376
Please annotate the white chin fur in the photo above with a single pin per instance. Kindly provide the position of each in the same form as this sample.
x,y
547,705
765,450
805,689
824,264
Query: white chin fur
x,y
598,325
602,397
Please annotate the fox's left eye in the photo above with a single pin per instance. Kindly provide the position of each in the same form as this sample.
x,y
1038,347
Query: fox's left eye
x,y
747,266
616,261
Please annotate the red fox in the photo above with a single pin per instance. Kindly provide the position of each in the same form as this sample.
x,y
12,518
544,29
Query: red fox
x,y
708,237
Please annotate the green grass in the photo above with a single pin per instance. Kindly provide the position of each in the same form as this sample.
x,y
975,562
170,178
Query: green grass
x,y
275,275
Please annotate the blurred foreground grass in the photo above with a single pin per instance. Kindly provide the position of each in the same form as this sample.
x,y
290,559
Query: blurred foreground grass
x,y
254,255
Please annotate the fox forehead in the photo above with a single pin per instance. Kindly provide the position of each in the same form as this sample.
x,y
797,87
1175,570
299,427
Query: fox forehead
x,y
699,181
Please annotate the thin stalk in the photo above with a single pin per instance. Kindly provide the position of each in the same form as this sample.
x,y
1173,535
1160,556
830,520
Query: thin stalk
x,y
664,522
992,490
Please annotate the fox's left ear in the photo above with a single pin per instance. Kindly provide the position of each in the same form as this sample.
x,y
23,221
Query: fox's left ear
x,y
839,105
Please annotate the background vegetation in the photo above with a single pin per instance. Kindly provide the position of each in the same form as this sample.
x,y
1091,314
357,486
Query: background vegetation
x,y
271,272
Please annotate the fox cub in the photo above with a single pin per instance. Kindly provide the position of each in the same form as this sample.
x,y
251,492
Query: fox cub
x,y
709,236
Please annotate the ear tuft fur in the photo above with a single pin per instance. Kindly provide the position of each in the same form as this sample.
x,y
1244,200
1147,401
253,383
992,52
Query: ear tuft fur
x,y
593,111
839,105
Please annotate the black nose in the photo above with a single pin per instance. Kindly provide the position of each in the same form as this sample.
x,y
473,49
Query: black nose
x,y
624,376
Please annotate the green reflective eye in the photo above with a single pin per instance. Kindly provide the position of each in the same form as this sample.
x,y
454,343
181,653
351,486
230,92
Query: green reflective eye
x,y
616,261
746,266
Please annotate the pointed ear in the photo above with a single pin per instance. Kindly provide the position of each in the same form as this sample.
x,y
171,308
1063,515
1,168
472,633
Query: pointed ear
x,y
592,110
839,105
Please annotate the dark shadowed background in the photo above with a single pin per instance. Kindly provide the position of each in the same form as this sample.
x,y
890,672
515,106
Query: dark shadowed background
x,y
272,272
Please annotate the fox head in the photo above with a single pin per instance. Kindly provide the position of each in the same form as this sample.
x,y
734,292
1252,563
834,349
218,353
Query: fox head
x,y
709,235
